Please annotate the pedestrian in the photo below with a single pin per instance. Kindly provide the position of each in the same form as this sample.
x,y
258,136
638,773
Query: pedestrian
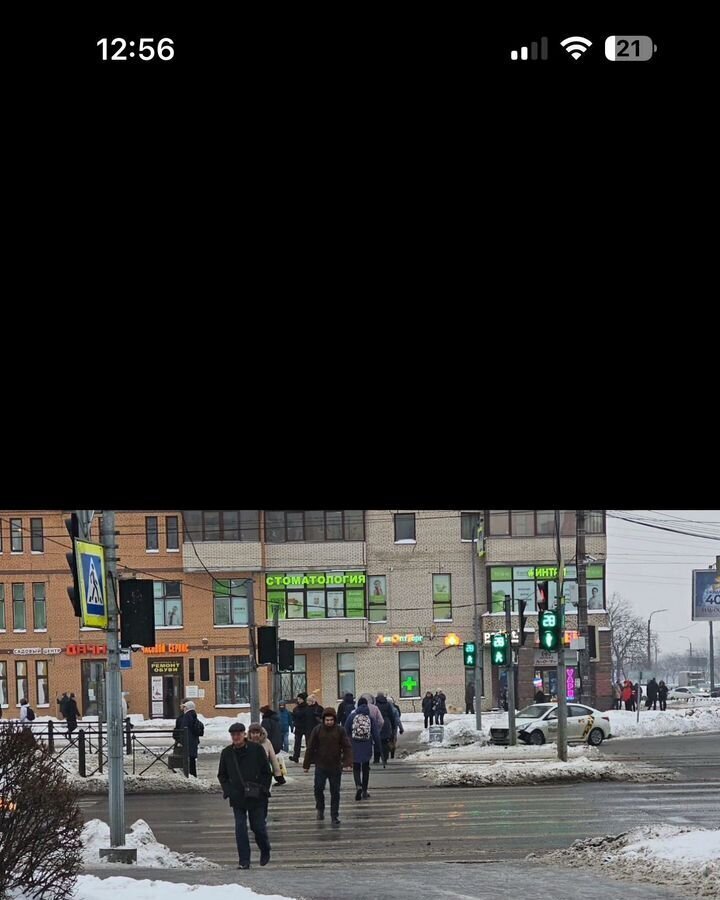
x,y
652,693
375,713
636,694
271,723
364,737
617,695
27,715
388,727
398,726
195,730
303,722
61,702
662,695
244,776
286,725
439,707
345,707
71,713
329,748
627,695
540,696
470,697
258,735
427,708
315,708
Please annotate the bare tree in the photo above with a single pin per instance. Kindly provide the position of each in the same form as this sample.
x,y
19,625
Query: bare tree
x,y
40,821
628,637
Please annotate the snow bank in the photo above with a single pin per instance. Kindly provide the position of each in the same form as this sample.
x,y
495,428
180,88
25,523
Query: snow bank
x,y
481,752
539,771
150,853
159,780
91,888
654,722
661,854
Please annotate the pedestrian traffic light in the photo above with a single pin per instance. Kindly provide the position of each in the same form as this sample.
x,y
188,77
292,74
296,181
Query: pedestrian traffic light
x,y
267,644
469,654
549,622
73,526
286,654
500,649
522,604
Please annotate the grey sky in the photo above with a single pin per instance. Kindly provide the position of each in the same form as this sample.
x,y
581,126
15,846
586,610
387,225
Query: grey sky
x,y
652,569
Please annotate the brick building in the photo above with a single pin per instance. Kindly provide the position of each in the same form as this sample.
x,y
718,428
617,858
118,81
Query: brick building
x,y
370,597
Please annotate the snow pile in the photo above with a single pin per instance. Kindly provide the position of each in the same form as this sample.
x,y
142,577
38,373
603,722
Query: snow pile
x,y
481,752
159,779
457,733
91,888
655,722
662,854
150,853
540,771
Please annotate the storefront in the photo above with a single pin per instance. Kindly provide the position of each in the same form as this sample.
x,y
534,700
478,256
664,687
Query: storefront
x,y
316,595
537,584
166,680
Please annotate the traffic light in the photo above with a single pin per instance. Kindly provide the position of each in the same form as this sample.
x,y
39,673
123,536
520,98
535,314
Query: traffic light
x,y
286,654
549,630
267,644
500,649
469,654
73,526
137,613
522,604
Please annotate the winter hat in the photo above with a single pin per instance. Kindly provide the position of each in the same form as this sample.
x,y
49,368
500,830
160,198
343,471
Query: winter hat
x,y
265,709
188,704
236,726
329,711
302,695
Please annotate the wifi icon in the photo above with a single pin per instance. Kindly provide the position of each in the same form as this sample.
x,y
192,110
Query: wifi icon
x,y
576,46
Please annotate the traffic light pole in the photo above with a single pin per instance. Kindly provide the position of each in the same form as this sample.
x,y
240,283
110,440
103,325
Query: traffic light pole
x,y
478,669
276,665
253,675
510,674
561,672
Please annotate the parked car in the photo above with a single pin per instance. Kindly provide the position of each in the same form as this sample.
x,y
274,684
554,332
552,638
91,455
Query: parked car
x,y
537,724
688,693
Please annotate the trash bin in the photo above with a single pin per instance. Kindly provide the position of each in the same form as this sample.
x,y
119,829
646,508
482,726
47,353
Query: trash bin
x,y
435,735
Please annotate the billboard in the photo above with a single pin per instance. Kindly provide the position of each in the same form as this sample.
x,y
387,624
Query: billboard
x,y
706,595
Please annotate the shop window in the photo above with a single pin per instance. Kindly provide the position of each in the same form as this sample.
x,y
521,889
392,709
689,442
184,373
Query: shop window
x,y
409,661
317,595
442,598
377,598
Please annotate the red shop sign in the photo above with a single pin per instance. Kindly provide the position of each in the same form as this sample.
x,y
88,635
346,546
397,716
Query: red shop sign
x,y
86,650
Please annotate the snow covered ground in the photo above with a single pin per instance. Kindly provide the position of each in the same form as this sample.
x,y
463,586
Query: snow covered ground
x,y
150,853
538,771
662,854
117,888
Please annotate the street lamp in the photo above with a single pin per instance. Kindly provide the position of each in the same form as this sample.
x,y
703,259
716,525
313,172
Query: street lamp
x,y
689,642
649,661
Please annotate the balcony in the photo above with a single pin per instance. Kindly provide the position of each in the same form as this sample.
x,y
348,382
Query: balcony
x,y
223,556
312,633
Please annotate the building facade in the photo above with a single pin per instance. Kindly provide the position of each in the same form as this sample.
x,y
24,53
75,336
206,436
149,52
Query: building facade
x,y
373,599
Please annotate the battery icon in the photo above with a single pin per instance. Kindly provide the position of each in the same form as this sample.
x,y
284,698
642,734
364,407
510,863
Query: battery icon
x,y
629,47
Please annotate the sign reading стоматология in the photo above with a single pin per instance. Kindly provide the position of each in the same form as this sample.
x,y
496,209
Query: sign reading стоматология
x,y
706,594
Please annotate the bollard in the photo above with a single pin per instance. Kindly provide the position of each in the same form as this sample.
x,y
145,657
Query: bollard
x,y
128,736
51,738
81,753
100,746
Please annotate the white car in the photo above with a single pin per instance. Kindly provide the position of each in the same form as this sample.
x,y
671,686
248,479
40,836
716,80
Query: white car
x,y
537,724
688,693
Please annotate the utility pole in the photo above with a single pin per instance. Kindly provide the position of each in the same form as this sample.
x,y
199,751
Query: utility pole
x,y
587,694
253,676
478,671
510,675
116,784
561,675
276,666
712,644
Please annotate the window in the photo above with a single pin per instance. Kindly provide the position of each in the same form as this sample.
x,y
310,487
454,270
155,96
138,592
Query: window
x,y
442,598
316,595
292,683
21,681
232,680
39,606
36,535
204,669
314,525
377,598
538,584
100,529
523,522
404,527
346,674
231,602
3,684
469,523
567,522
409,673
499,521
191,670
151,533
172,538
18,595
1,538
594,521
222,525
168,603
41,683
3,625
16,536
545,521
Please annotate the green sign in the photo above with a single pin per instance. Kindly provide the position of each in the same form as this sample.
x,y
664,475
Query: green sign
x,y
409,684
500,650
316,579
469,654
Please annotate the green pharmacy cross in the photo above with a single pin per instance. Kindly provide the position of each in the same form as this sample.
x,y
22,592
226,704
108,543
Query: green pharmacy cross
x,y
409,684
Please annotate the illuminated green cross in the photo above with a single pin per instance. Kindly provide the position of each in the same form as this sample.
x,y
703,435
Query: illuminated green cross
x,y
409,684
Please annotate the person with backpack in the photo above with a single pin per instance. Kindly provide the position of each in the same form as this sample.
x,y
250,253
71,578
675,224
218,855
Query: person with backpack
x,y
195,730
364,737
27,714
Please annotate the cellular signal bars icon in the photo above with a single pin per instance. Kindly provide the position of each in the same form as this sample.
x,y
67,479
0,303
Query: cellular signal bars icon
x,y
523,51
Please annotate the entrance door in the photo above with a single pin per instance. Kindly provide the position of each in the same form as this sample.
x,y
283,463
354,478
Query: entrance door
x,y
166,688
93,688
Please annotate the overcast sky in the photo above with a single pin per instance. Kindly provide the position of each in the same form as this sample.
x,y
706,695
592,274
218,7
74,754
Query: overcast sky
x,y
652,569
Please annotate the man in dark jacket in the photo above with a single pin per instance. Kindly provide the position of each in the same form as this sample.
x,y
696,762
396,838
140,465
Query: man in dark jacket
x,y
241,764
390,724
71,713
303,721
188,719
330,749
469,697
652,693
347,705
271,723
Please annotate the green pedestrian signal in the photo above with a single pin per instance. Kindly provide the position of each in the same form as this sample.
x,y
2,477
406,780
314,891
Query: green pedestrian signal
x,y
470,654
500,649
549,630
